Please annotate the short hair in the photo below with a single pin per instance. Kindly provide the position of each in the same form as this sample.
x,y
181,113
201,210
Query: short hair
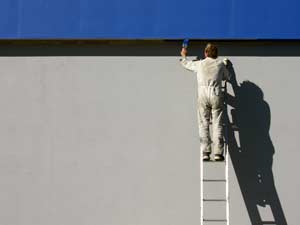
x,y
211,51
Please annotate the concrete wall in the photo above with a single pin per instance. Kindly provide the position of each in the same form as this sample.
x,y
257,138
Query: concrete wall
x,y
108,135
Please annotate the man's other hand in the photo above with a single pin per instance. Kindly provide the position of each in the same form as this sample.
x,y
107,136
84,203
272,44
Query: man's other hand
x,y
183,52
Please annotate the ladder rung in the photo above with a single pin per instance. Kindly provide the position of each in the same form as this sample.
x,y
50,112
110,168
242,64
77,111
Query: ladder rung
x,y
214,180
214,200
214,220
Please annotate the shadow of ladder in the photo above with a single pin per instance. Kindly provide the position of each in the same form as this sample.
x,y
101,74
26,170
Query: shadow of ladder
x,y
253,211
230,129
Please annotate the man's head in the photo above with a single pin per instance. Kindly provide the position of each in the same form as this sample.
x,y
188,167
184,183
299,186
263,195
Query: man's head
x,y
211,51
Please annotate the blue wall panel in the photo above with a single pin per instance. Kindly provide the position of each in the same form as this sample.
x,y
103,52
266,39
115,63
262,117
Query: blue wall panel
x,y
141,19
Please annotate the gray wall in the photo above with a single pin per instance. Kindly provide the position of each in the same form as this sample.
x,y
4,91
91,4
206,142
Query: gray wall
x,y
110,137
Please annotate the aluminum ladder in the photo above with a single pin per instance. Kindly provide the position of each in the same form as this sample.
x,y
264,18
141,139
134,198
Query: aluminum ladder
x,y
203,200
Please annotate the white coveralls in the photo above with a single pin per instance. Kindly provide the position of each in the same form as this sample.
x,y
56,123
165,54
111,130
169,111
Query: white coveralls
x,y
210,73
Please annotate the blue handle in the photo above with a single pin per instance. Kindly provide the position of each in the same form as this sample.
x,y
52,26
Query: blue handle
x,y
185,43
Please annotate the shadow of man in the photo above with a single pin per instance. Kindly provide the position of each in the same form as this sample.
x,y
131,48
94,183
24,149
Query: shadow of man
x,y
251,149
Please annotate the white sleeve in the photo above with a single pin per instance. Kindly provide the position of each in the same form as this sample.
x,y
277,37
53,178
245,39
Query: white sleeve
x,y
189,65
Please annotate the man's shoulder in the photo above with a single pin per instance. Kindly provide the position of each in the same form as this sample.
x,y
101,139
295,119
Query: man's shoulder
x,y
220,62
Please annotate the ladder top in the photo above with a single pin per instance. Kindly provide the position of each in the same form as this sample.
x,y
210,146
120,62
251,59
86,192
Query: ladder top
x,y
212,161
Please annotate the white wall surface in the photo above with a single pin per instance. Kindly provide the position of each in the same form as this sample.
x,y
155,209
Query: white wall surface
x,y
113,140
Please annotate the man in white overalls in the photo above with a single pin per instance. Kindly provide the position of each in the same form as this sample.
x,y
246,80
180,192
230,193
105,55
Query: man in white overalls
x,y
210,73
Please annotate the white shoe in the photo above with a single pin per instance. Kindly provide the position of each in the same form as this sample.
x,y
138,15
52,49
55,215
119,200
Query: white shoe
x,y
219,158
206,157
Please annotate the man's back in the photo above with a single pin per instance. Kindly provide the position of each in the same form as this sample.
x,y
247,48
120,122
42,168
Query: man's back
x,y
210,72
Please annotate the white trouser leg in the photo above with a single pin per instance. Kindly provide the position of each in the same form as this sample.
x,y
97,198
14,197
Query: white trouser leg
x,y
204,113
216,101
218,141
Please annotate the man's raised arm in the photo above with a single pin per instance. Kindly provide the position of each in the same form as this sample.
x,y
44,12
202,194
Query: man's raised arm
x,y
188,64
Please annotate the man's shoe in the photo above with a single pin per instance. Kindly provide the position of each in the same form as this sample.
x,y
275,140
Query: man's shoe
x,y
206,157
219,158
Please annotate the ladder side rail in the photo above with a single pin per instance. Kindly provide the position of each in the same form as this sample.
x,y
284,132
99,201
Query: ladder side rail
x,y
226,157
201,188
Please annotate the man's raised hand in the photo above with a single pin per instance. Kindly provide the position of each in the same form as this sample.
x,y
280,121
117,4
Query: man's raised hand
x,y
183,52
